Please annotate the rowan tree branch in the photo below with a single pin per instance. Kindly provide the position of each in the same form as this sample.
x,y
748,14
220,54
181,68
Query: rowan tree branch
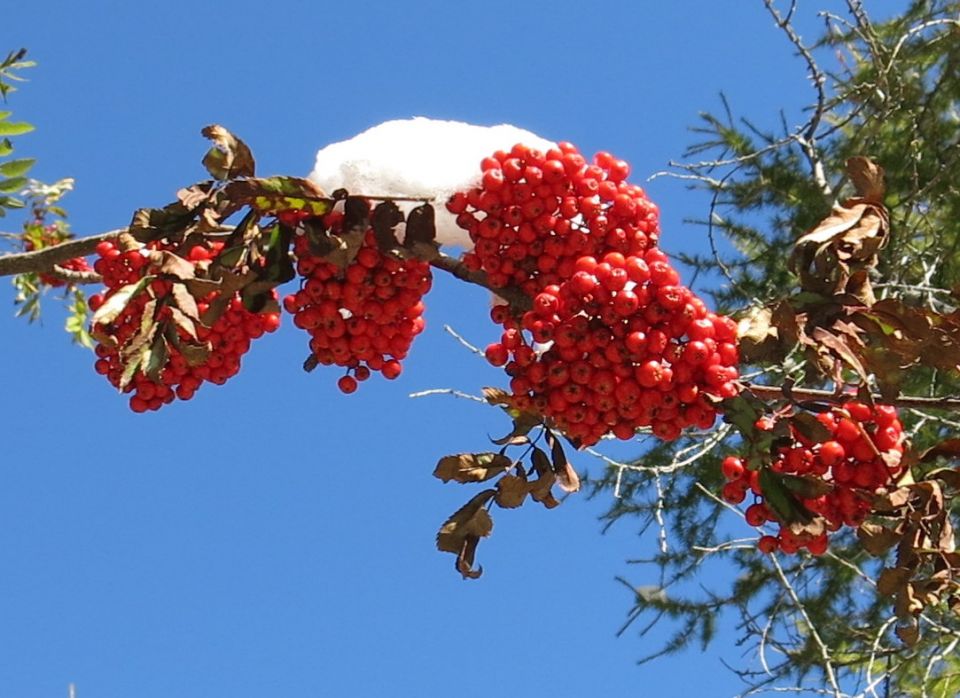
x,y
930,403
44,260
48,259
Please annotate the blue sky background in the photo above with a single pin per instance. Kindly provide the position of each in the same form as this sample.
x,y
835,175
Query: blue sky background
x,y
272,537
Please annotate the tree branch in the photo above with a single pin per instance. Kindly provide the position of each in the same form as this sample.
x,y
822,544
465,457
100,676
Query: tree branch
x,y
775,392
47,259
44,260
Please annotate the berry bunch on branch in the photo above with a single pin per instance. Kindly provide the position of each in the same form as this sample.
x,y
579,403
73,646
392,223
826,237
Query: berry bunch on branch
x,y
597,335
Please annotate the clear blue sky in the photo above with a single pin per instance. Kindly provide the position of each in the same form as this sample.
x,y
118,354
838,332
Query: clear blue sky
x,y
273,537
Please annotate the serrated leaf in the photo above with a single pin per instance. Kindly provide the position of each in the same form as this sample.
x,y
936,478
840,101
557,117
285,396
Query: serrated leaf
x,y
129,371
185,301
156,360
184,322
512,490
16,168
115,304
472,467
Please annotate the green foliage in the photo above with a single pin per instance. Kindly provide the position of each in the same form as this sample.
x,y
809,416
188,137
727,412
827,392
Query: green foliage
x,y
817,624
12,172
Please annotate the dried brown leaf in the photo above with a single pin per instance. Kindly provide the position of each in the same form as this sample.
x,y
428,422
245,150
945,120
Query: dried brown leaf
x,y
472,519
185,300
877,539
567,478
461,533
472,467
893,580
867,178
512,490
172,264
909,633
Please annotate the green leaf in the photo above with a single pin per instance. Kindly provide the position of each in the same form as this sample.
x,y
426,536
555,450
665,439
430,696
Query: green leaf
x,y
13,184
6,147
16,168
15,128
780,500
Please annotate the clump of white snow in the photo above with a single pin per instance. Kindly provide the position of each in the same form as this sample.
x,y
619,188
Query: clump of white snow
x,y
418,158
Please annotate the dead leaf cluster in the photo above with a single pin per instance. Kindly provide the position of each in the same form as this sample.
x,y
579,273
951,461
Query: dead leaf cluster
x,y
547,468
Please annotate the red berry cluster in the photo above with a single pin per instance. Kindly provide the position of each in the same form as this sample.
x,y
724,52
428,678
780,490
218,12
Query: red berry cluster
x,y
861,455
363,317
613,341
51,237
228,338
534,214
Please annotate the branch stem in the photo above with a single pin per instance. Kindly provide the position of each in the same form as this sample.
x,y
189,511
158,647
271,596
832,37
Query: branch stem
x,y
773,392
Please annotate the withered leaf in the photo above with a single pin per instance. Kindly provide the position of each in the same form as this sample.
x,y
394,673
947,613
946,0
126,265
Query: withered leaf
x,y
892,580
567,478
758,335
471,467
115,304
523,422
194,353
877,539
467,556
185,323
511,491
156,360
200,287
817,526
229,157
193,196
185,300
909,633
421,227
172,264
948,448
148,329
867,178
386,217
891,501
496,396
130,370
541,488
841,349
470,519
460,533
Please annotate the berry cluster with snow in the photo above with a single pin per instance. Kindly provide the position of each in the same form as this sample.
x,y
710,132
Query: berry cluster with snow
x,y
418,158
